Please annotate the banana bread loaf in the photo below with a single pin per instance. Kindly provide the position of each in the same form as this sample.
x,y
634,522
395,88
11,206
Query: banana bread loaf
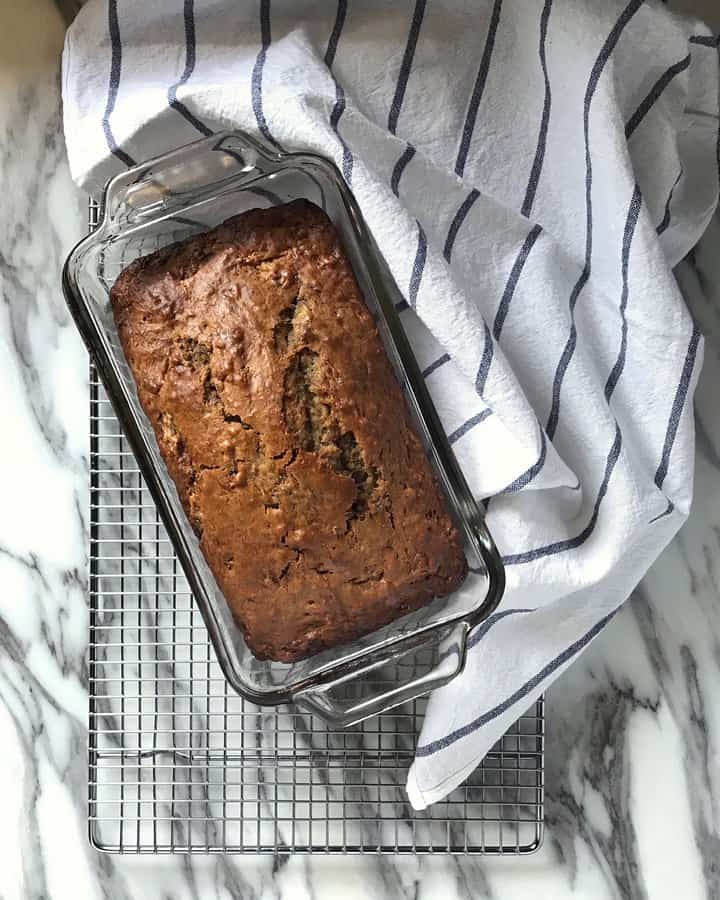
x,y
281,422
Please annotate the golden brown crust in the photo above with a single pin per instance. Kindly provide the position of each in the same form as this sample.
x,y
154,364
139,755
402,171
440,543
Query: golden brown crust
x,y
285,431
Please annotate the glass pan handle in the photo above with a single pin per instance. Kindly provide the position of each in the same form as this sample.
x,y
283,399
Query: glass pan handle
x,y
358,696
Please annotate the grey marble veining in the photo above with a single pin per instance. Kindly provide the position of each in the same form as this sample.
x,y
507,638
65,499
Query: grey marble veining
x,y
633,747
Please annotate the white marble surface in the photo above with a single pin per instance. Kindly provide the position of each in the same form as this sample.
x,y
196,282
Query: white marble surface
x,y
633,748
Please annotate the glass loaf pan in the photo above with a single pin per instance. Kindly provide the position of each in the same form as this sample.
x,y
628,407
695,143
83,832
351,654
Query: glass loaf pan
x,y
190,190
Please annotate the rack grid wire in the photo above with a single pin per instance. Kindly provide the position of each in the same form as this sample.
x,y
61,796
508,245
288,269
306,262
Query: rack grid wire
x,y
179,763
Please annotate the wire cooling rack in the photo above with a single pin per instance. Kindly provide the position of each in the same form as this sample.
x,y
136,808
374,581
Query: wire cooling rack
x,y
179,763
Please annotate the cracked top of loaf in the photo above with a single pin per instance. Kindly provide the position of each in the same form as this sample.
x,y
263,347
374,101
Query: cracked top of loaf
x,y
281,422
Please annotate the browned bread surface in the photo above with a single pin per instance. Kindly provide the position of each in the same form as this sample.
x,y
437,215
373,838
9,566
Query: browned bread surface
x,y
283,426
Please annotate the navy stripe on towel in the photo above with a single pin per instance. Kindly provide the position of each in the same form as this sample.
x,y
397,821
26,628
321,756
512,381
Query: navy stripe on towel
x,y
339,107
113,84
409,151
514,559
677,407
190,57
399,168
565,358
542,137
457,221
468,425
611,384
535,681
257,73
613,378
515,272
479,633
338,110
406,65
440,361
478,89
653,94
529,474
336,32
630,223
706,40
666,216
666,512
485,361
418,267
597,69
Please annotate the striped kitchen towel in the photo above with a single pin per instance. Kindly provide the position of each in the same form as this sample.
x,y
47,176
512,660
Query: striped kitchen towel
x,y
532,170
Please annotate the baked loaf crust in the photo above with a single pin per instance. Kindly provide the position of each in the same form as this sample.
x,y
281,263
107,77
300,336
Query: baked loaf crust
x,y
285,431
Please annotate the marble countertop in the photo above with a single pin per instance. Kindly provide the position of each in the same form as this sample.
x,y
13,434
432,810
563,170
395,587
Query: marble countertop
x,y
633,730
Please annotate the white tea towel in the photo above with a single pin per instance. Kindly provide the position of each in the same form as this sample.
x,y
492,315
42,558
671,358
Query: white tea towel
x,y
531,171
